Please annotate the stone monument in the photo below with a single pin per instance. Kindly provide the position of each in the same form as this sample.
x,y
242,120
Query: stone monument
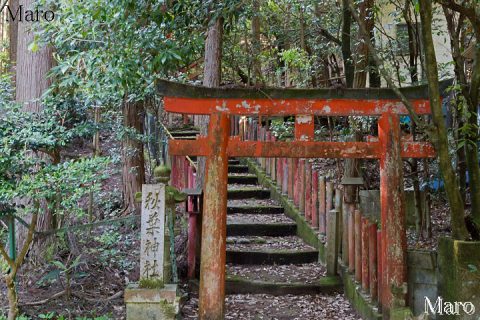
x,y
154,297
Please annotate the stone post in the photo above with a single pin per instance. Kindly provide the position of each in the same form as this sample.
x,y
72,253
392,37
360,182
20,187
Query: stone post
x,y
152,298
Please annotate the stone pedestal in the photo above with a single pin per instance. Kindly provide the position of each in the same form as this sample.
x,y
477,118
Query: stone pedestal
x,y
151,304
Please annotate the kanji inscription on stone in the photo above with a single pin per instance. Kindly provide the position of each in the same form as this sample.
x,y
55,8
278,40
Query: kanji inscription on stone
x,y
152,231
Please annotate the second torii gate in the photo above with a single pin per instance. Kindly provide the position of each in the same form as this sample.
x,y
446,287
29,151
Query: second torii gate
x,y
304,104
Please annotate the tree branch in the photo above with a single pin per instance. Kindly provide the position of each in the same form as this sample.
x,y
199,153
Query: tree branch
x,y
5,256
383,71
28,241
451,4
327,35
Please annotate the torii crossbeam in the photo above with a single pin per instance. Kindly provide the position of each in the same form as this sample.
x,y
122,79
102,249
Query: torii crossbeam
x,y
304,104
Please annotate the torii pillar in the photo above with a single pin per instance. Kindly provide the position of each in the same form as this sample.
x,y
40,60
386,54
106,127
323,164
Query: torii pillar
x,y
392,203
214,221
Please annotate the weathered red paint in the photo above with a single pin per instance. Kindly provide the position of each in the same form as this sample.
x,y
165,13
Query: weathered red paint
x,y
314,211
365,255
322,211
389,148
301,186
273,162
193,211
214,230
291,177
268,136
279,175
372,259
392,201
280,107
304,128
296,183
358,246
308,191
285,175
351,237
299,149
192,245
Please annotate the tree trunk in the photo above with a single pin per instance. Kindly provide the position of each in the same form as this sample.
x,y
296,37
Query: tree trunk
x,y
13,33
472,148
412,68
256,45
471,98
349,68
362,54
133,171
439,134
12,298
412,43
32,67
352,166
459,64
31,83
212,72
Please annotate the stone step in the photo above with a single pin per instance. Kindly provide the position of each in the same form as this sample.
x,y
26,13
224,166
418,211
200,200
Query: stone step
x,y
248,193
237,168
249,209
281,279
233,161
269,250
254,206
186,138
251,219
307,273
243,179
238,285
276,257
261,229
184,133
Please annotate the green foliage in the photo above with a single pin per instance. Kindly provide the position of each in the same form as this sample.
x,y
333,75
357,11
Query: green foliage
x,y
26,171
472,268
22,317
295,58
109,238
107,251
65,268
108,51
282,130
151,283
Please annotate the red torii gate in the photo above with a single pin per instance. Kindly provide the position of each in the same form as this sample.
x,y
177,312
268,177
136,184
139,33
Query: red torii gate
x,y
304,104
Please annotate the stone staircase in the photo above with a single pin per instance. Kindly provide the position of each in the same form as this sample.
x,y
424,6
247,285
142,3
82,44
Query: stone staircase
x,y
271,272
264,253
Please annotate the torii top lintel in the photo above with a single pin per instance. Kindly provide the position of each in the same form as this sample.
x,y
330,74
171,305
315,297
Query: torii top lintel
x,y
189,99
